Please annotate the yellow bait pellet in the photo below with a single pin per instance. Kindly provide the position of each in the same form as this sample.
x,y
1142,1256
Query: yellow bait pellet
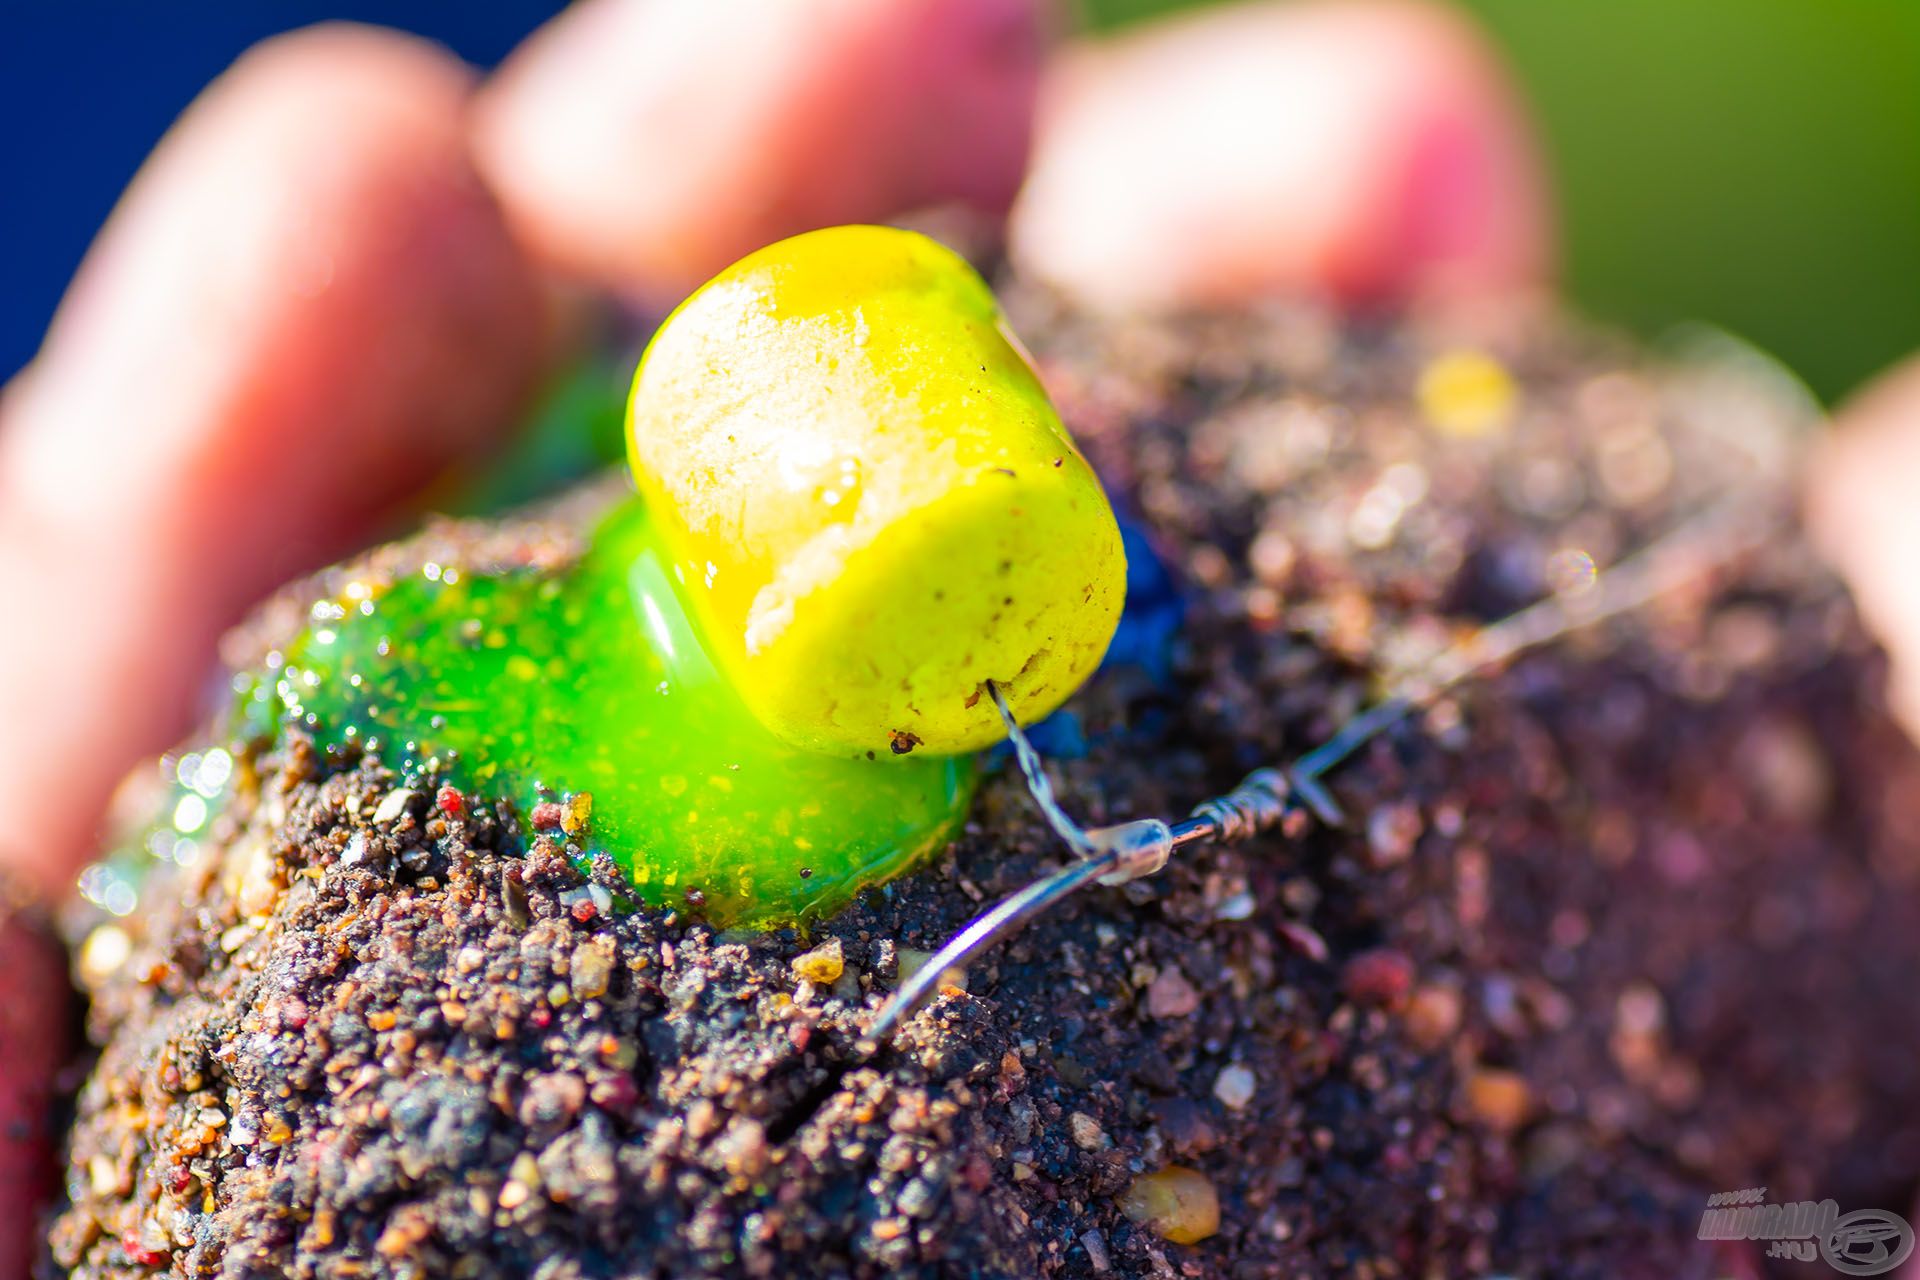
x,y
870,501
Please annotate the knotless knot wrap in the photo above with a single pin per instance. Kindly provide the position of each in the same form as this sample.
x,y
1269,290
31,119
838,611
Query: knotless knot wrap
x,y
1259,802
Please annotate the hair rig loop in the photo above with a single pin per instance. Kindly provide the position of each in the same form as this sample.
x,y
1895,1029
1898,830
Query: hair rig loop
x,y
1132,850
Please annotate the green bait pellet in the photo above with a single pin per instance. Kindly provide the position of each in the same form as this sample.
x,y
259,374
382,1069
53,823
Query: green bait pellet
x,y
540,687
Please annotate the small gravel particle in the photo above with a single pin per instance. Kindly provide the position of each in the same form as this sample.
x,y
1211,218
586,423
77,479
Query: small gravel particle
x,y
1304,939
1234,1087
592,968
1178,1203
392,806
1433,1015
552,1098
1170,995
1381,976
1096,1246
1086,1132
742,1149
1392,830
1237,906
1498,1098
822,965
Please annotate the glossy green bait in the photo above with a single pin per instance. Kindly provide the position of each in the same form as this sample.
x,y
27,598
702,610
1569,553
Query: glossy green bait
x,y
534,686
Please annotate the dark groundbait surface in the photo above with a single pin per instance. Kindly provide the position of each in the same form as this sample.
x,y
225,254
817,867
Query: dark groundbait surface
x,y
1622,926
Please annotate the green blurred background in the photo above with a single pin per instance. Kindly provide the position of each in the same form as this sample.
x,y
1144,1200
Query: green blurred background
x,y
1752,163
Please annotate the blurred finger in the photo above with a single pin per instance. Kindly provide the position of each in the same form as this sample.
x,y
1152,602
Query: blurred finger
x,y
33,1023
305,306
645,144
1371,150
1863,506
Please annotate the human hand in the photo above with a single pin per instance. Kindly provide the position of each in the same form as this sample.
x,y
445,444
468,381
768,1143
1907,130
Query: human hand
x,y
347,266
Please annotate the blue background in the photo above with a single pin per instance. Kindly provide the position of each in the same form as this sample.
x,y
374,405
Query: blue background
x,y
1752,163
87,88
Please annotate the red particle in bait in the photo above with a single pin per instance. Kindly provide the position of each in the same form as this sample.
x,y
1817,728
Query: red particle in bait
x,y
451,802
1381,976
617,1094
141,1256
546,816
